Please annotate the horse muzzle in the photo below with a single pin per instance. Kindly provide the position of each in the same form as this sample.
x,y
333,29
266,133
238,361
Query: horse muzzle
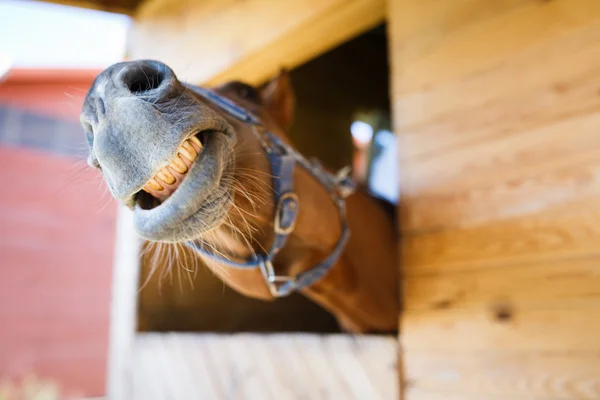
x,y
149,134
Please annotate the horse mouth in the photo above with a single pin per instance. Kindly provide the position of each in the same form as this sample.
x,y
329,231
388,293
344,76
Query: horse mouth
x,y
168,179
189,195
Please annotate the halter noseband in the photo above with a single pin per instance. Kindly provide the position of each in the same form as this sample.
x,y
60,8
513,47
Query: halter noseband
x,y
283,158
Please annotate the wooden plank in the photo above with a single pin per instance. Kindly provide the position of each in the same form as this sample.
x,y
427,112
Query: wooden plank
x,y
123,305
565,180
569,327
215,41
509,375
509,147
554,234
263,367
437,38
296,47
115,6
507,153
522,286
510,104
498,98
505,100
418,394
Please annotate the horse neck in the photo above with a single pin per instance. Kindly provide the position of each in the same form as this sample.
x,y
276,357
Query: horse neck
x,y
360,289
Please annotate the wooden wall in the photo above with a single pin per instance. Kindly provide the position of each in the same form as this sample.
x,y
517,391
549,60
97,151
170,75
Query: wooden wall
x,y
215,41
497,107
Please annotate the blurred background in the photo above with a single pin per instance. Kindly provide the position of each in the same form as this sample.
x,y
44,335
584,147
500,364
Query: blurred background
x,y
57,221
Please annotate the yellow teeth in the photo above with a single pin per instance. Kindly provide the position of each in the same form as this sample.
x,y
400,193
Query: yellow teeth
x,y
196,141
188,151
166,176
154,185
186,154
178,165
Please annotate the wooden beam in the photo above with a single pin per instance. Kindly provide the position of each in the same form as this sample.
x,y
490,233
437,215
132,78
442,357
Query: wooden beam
x,y
521,286
209,42
123,306
570,230
569,327
115,6
257,367
501,375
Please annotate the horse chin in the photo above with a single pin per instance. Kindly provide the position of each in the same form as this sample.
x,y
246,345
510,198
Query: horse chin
x,y
200,203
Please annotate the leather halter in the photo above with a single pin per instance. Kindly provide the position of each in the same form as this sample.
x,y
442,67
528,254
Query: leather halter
x,y
283,160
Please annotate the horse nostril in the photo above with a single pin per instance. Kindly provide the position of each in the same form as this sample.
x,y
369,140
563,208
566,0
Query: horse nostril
x,y
142,78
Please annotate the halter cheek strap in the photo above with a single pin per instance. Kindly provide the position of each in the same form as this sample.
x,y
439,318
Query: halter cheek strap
x,y
283,160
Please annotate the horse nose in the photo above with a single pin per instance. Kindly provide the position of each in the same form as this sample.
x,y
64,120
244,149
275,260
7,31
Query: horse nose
x,y
129,125
146,78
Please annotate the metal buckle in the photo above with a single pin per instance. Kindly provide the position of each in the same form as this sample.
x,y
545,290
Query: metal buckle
x,y
278,228
279,286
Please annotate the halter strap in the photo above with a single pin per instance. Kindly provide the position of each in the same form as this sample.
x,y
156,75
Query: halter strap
x,y
283,159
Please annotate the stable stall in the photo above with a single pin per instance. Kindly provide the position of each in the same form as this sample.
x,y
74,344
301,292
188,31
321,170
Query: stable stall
x,y
495,108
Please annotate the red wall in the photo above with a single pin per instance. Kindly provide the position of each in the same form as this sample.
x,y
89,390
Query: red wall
x,y
57,93
56,248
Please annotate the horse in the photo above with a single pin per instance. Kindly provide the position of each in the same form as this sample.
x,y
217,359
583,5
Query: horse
x,y
212,169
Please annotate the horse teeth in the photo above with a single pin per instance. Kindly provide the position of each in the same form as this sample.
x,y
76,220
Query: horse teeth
x,y
154,185
178,165
188,151
196,143
166,176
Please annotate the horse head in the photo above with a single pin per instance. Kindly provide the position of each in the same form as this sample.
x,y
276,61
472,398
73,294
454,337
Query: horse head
x,y
215,170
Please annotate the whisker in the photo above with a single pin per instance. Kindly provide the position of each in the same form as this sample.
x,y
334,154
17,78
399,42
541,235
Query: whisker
x,y
105,205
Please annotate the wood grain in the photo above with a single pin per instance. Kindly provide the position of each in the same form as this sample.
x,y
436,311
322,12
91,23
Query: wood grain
x,y
216,41
115,6
489,114
501,29
566,181
554,233
526,375
569,327
511,115
418,394
496,106
519,286
245,366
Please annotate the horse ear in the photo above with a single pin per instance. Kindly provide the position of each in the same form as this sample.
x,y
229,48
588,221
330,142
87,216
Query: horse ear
x,y
279,100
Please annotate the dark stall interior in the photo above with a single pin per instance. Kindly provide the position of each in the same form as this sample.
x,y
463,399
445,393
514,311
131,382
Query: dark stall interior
x,y
347,84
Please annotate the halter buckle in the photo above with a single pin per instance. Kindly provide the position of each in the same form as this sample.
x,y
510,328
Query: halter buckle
x,y
279,286
285,214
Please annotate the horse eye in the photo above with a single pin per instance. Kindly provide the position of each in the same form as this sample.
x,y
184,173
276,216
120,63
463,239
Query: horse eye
x,y
247,92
